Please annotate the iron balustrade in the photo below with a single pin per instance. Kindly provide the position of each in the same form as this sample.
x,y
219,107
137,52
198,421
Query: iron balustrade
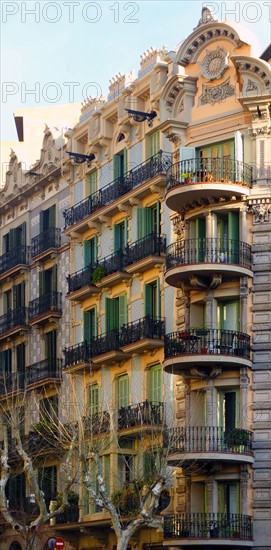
x,y
10,382
50,238
13,318
96,422
17,256
80,279
209,250
208,525
42,370
46,303
147,327
206,170
208,439
70,515
157,164
79,353
199,341
141,414
152,244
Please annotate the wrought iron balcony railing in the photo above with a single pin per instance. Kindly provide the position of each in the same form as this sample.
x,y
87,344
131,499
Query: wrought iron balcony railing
x,y
210,439
208,525
80,279
86,350
141,414
13,318
209,341
43,370
17,256
157,164
152,244
70,515
46,303
207,170
147,327
223,251
51,238
12,382
97,422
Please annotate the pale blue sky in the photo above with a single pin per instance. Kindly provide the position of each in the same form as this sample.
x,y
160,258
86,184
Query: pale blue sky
x,y
84,41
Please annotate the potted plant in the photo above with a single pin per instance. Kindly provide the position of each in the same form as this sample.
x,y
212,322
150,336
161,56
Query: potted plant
x,y
98,274
187,177
237,439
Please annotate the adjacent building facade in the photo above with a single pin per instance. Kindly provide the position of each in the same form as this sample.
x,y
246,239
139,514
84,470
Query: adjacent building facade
x,y
135,278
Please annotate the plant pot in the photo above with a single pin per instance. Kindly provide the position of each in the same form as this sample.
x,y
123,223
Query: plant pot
x,y
204,351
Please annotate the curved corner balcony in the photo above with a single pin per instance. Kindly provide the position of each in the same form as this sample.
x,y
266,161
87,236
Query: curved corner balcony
x,y
207,257
203,444
206,348
210,529
189,182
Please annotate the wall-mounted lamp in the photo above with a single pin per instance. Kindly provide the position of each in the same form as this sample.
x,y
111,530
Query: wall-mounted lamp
x,y
80,159
140,116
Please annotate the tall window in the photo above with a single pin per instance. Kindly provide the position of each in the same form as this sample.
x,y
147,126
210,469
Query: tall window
x,y
47,478
148,220
152,299
6,363
228,410
229,497
47,218
155,384
123,391
50,341
90,251
19,295
153,144
120,164
120,235
116,312
49,409
15,238
91,183
90,323
48,280
228,315
94,398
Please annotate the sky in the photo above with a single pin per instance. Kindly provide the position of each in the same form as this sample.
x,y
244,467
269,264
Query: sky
x,y
55,52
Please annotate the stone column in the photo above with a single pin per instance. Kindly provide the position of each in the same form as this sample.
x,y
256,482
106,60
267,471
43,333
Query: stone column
x,y
244,383
243,223
209,309
243,303
210,488
210,403
244,479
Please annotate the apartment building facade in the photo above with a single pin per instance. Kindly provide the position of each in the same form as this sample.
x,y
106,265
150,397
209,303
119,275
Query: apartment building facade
x,y
154,224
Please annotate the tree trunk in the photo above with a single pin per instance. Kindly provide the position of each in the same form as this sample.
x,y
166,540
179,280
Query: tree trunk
x,y
123,541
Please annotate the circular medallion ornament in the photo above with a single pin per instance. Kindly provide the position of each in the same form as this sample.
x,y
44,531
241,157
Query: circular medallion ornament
x,y
214,64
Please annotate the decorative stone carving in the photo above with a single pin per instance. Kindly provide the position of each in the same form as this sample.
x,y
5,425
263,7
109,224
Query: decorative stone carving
x,y
213,94
251,86
244,378
206,17
214,63
260,210
172,94
179,226
260,131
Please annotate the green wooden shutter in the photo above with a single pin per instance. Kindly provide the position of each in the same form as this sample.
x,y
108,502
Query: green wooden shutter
x,y
123,391
155,381
148,466
148,305
109,314
200,236
116,166
87,256
23,234
12,239
233,235
158,299
116,236
106,472
155,143
94,398
125,164
86,325
125,240
123,313
42,217
54,278
141,222
41,282
91,183
52,216
20,357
